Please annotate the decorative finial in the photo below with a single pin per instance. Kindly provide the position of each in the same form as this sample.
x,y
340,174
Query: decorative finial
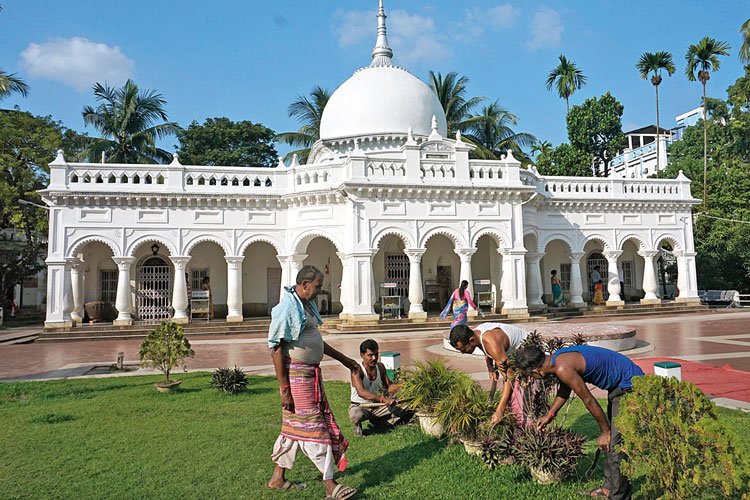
x,y
434,135
175,159
295,161
59,159
382,53
458,136
281,163
104,156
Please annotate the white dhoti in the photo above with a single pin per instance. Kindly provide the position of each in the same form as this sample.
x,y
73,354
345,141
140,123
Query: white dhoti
x,y
285,451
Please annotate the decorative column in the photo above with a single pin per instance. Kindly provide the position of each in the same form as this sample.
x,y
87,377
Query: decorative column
x,y
649,277
295,264
613,278
576,285
514,283
179,290
345,286
506,284
59,294
76,286
686,277
534,280
465,254
416,311
234,288
362,297
124,298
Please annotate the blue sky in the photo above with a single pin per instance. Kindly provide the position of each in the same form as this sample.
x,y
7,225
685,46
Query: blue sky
x,y
248,60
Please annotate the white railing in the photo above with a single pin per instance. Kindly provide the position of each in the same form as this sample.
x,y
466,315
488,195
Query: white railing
x,y
608,188
385,169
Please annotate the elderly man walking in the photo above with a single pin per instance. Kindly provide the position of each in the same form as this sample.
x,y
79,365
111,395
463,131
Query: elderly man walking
x,y
307,421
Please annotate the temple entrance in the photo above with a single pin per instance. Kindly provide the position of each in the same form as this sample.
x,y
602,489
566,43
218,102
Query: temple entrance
x,y
397,271
596,260
153,293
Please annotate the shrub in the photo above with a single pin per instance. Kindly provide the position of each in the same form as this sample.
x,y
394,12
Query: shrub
x,y
552,450
231,381
464,410
673,439
426,384
165,348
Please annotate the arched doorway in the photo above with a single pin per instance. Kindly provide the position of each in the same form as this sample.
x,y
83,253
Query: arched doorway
x,y
391,265
596,263
261,279
486,272
153,291
323,254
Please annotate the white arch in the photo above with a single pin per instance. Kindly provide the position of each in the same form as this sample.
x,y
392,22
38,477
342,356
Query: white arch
x,y
133,246
458,241
306,237
534,235
642,245
202,239
407,240
500,238
671,238
556,236
258,238
597,237
85,240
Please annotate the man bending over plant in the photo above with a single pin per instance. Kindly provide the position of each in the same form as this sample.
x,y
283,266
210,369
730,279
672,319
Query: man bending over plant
x,y
575,367
307,421
496,340
371,386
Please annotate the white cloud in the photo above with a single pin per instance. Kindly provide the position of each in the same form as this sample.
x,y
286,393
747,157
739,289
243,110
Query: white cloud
x,y
413,38
77,62
546,29
497,18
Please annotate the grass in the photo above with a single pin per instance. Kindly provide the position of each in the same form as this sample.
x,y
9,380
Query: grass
x,y
117,438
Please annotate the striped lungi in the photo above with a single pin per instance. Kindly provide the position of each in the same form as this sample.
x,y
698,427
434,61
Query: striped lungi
x,y
312,419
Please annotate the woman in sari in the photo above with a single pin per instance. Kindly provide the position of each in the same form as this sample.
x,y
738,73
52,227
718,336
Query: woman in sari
x,y
599,293
558,298
459,302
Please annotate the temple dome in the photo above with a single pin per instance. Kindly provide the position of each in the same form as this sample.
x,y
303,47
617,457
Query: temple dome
x,y
381,99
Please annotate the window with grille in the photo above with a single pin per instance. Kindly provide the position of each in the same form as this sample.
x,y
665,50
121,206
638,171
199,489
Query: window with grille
x,y
565,276
108,285
627,274
196,278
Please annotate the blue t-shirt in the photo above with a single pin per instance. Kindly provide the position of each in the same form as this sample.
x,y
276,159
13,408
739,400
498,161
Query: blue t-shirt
x,y
608,370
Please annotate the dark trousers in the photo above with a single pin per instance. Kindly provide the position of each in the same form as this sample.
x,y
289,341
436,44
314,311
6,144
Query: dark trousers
x,y
618,485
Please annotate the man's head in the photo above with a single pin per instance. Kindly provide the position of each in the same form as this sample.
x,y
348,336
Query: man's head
x,y
309,282
463,339
529,359
369,351
597,269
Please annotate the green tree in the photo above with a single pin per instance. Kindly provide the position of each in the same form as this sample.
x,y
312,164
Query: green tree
x,y
567,78
451,92
220,141
491,132
309,111
745,47
653,63
564,160
10,83
596,128
704,57
541,149
127,120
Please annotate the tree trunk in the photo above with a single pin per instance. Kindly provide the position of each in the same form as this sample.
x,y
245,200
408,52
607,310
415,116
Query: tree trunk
x,y
705,149
567,105
657,127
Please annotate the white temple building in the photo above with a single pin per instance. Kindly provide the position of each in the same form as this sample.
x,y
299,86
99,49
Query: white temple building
x,y
386,196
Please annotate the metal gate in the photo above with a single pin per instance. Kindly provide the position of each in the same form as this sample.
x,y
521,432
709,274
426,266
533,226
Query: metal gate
x,y
597,259
153,292
397,271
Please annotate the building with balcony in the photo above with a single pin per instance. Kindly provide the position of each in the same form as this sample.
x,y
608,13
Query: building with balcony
x,y
386,197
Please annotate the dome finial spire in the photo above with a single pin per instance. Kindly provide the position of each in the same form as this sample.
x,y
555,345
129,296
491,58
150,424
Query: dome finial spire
x,y
382,53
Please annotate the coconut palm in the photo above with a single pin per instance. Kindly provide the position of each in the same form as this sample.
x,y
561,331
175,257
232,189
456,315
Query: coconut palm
x,y
309,111
491,132
567,78
541,149
654,62
10,83
704,57
126,118
745,48
451,92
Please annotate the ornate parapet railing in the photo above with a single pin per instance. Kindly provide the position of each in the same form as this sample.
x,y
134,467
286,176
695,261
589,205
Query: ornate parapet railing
x,y
614,188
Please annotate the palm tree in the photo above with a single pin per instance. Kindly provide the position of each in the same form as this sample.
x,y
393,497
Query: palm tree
x,y
541,149
451,92
10,83
655,62
745,48
491,132
704,56
125,118
309,111
567,78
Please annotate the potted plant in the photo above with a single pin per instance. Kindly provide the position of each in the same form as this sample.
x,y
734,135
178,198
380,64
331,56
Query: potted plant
x,y
549,453
165,348
465,413
423,387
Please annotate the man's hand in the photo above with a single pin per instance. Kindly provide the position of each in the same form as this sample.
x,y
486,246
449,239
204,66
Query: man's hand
x,y
542,422
603,441
287,401
389,401
496,418
494,375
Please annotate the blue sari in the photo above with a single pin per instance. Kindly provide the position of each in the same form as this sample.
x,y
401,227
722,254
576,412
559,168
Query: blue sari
x,y
558,297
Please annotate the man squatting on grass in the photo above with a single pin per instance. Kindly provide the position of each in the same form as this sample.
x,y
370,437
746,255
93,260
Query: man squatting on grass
x,y
575,367
307,421
496,340
367,385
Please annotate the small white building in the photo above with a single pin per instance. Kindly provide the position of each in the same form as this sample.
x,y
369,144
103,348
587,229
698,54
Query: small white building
x,y
385,197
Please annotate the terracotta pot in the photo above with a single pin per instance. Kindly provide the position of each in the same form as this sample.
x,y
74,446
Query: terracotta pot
x,y
430,425
544,477
98,311
472,447
168,387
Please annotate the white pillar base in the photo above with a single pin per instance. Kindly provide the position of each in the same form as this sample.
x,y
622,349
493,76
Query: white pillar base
x,y
122,322
579,305
417,315
649,302
364,318
58,324
472,313
234,319
617,303
518,312
688,300
181,321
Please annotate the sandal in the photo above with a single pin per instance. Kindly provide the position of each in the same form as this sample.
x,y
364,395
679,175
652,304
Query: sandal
x,y
358,431
341,492
288,485
595,493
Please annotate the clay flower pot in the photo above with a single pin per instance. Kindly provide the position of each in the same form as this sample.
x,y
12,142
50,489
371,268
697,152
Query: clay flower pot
x,y
472,447
544,477
430,425
168,387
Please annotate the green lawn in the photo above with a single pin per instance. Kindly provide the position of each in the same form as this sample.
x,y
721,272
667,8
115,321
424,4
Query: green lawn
x,y
118,438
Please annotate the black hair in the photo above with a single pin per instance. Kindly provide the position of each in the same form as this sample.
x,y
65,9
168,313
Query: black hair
x,y
368,344
464,285
460,333
554,272
600,282
205,279
308,273
596,268
529,358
